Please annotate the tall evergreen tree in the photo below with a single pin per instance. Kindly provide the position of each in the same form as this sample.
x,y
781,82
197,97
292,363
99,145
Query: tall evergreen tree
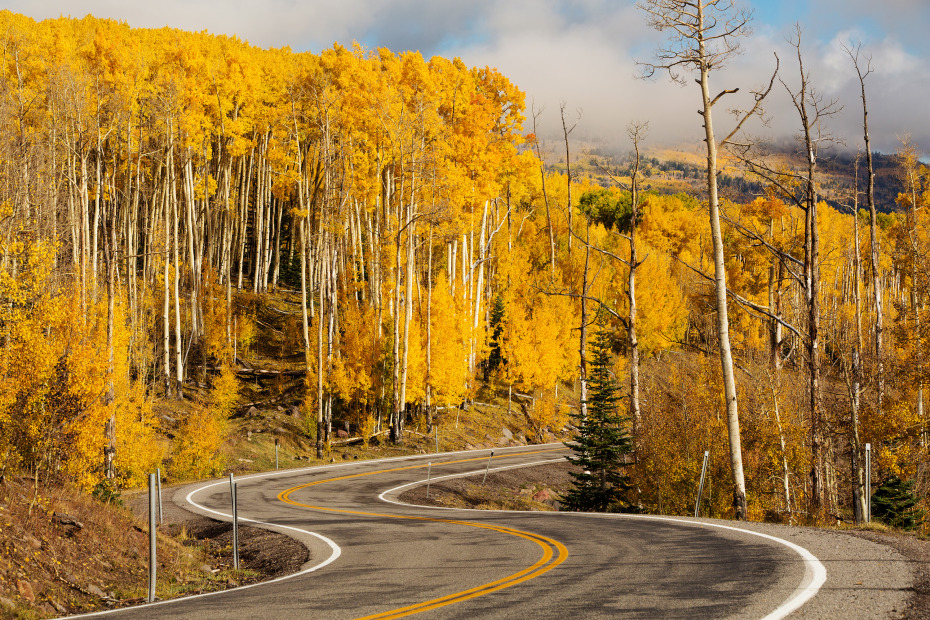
x,y
602,440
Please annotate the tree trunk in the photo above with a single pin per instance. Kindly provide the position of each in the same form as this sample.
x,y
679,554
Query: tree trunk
x,y
636,133
109,400
178,339
720,278
167,299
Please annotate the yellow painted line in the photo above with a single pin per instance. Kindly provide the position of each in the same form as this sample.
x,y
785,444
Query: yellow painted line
x,y
547,562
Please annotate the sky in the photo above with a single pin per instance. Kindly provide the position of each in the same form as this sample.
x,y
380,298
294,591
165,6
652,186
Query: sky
x,y
583,53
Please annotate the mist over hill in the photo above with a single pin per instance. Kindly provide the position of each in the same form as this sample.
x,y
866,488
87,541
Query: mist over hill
x,y
681,169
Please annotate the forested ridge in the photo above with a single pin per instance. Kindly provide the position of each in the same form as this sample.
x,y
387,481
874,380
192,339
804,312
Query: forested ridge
x,y
157,186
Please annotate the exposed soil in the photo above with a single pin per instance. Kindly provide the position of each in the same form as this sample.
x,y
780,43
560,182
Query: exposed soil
x,y
262,554
63,552
526,488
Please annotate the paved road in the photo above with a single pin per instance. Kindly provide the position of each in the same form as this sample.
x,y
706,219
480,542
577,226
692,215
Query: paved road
x,y
371,558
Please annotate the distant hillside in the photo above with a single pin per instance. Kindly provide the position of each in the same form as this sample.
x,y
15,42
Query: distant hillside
x,y
682,170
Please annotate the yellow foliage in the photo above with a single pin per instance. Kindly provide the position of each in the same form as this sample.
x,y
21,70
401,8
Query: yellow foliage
x,y
225,393
451,330
538,343
547,415
893,434
196,450
353,375
139,446
215,342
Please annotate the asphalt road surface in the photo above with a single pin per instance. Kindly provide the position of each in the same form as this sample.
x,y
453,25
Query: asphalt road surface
x,y
372,557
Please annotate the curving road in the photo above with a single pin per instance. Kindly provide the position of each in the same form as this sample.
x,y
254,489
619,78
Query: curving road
x,y
373,557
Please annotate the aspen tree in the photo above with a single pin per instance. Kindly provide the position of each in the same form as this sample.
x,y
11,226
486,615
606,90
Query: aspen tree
x,y
800,188
542,172
854,376
704,36
878,328
636,132
566,131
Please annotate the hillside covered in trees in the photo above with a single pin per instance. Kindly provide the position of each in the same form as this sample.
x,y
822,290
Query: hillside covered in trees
x,y
157,187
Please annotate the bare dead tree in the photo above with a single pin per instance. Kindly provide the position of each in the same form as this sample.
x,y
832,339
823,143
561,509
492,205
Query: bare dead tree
x,y
542,172
859,59
637,132
703,36
800,189
854,374
566,131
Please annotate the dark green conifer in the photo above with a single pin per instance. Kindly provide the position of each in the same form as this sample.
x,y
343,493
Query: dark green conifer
x,y
495,358
602,442
893,503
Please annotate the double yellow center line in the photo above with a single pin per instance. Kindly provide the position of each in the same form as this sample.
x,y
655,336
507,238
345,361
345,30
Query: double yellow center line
x,y
553,552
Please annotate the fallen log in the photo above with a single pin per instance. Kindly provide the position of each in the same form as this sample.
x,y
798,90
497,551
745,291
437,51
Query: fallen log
x,y
347,442
258,372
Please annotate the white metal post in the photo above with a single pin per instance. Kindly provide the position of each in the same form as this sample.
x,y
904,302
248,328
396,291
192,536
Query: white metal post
x,y
697,503
152,559
161,516
487,467
235,520
868,483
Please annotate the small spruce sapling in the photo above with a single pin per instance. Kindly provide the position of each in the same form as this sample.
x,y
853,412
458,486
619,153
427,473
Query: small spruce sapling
x,y
893,503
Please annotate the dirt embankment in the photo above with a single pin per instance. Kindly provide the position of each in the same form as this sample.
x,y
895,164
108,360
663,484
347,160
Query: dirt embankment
x,y
64,552
526,488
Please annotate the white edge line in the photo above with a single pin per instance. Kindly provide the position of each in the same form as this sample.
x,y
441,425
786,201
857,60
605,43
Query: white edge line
x,y
815,574
336,550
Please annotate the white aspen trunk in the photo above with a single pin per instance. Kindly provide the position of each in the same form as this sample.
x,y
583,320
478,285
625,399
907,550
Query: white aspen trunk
x,y
245,180
271,233
96,227
85,232
167,300
396,432
331,288
860,501
785,478
408,316
109,452
479,296
636,133
319,347
465,262
258,227
874,251
429,330
451,264
582,333
193,246
178,339
720,278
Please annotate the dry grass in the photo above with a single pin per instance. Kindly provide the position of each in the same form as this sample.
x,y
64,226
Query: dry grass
x,y
66,552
